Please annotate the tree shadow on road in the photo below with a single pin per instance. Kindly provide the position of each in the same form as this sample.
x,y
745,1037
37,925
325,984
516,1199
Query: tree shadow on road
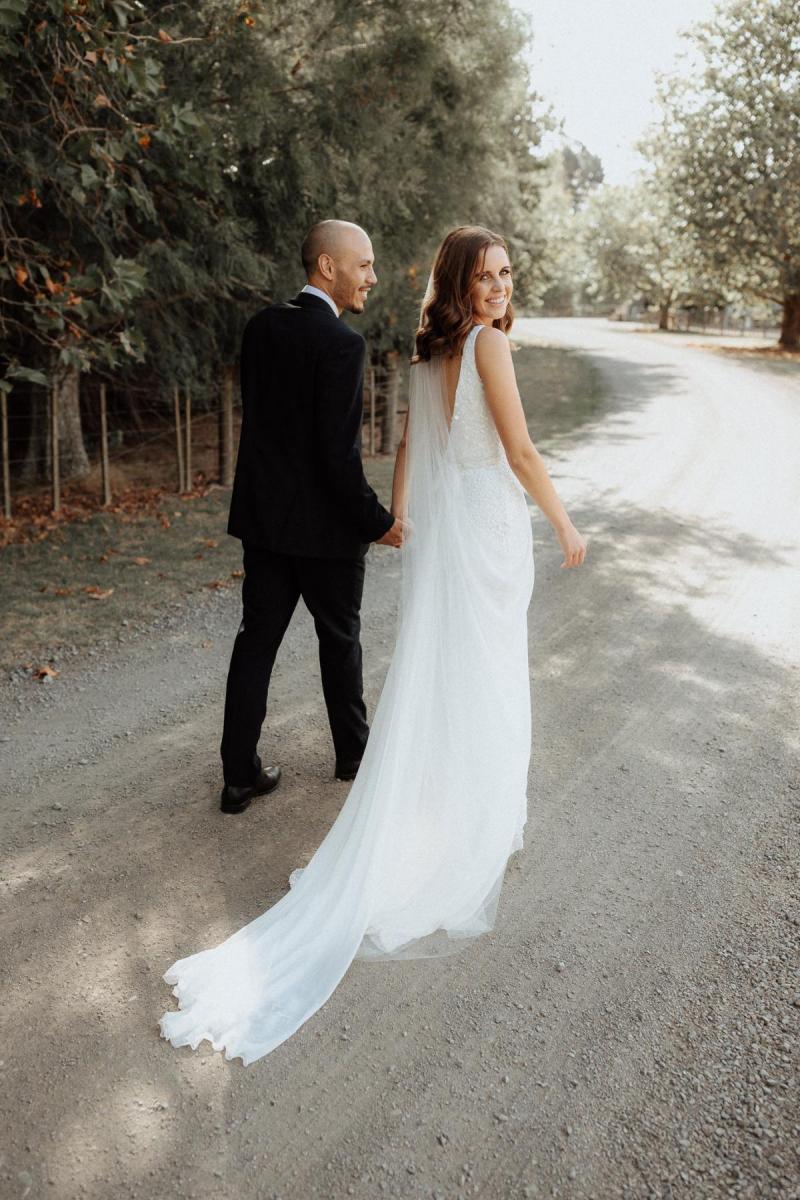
x,y
664,762
655,705
596,396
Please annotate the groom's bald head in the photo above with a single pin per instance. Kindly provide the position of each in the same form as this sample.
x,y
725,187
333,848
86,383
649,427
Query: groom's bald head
x,y
338,259
331,238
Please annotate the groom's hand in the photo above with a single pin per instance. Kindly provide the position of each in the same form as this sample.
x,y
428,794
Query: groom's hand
x,y
393,535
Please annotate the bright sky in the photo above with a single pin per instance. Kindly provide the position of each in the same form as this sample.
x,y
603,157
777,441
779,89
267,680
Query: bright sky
x,y
593,61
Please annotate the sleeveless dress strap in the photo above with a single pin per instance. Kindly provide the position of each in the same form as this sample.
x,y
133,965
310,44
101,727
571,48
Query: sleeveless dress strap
x,y
468,367
469,344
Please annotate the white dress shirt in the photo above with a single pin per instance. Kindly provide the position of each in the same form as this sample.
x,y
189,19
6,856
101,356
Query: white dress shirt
x,y
315,291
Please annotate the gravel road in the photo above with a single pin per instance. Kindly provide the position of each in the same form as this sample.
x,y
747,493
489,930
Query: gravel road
x,y
630,1027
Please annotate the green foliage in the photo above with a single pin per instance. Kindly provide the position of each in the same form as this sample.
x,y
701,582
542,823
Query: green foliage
x,y
102,168
726,148
570,180
635,249
583,172
162,162
385,114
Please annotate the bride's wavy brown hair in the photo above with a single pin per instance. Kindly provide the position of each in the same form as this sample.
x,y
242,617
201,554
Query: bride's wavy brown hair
x,y
447,317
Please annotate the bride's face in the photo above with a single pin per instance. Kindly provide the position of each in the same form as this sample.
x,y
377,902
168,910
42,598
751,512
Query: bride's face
x,y
491,286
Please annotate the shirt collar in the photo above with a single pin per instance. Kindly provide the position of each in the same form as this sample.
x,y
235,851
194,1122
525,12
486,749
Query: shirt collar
x,y
315,291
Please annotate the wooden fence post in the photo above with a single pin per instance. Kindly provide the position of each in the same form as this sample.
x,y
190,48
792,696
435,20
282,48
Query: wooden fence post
x,y
371,393
187,428
55,450
390,405
226,429
176,398
104,469
6,469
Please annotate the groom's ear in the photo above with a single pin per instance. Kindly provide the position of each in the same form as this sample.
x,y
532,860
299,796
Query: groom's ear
x,y
326,266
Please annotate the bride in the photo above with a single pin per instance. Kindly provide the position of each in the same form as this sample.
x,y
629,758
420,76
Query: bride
x,y
414,862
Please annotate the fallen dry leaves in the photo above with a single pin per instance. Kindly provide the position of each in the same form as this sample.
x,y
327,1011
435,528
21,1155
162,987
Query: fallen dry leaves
x,y
34,519
55,591
97,593
768,352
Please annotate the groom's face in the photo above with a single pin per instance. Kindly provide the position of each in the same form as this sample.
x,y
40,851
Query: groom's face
x,y
353,271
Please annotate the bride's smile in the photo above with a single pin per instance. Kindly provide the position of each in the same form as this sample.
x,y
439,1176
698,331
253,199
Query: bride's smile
x,y
492,286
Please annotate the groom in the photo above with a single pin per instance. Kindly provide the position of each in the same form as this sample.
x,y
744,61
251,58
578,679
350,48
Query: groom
x,y
301,505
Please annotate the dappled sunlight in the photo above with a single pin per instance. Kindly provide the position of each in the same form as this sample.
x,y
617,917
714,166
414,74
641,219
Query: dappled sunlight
x,y
662,680
25,869
623,1029
137,1123
730,582
651,693
688,674
659,660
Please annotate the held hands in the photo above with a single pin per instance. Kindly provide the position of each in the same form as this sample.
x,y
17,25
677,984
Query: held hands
x,y
573,545
571,542
394,534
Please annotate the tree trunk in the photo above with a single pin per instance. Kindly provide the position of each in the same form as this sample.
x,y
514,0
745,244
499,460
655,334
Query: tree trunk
x,y
790,324
663,316
73,457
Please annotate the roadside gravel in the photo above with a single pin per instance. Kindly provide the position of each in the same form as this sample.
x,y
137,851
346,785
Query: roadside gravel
x,y
630,1028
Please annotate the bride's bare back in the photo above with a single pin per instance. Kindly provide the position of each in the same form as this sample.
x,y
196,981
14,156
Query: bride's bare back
x,y
451,370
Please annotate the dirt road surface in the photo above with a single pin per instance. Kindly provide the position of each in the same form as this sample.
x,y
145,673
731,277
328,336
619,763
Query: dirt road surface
x,y
630,1027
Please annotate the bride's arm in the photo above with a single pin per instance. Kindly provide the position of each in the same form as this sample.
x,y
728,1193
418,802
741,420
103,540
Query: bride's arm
x,y
493,360
399,488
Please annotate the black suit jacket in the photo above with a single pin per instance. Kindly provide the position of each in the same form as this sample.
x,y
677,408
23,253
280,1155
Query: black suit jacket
x,y
299,486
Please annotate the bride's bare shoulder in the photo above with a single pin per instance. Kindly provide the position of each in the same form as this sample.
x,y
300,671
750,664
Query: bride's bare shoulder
x,y
492,349
491,340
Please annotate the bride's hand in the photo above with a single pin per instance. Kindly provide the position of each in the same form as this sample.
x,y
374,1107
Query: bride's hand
x,y
573,545
401,515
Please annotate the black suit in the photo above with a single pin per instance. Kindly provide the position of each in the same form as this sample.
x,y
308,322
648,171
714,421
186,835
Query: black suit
x,y
305,515
300,486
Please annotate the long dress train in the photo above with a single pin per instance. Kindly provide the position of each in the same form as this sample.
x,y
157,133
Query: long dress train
x,y
414,863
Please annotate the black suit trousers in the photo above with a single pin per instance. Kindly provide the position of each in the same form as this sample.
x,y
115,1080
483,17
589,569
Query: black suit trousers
x,y
331,589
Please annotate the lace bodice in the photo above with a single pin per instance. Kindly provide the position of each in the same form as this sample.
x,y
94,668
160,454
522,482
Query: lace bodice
x,y
474,436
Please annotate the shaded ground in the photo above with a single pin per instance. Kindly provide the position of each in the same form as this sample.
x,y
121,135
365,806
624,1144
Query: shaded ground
x,y
630,1027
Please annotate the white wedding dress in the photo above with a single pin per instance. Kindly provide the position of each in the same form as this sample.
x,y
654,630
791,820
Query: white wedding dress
x,y
414,863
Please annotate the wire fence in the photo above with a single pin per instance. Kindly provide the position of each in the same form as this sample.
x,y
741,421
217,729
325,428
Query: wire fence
x,y
110,439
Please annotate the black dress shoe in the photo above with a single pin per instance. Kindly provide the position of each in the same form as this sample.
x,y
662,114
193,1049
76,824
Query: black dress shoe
x,y
237,799
346,770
